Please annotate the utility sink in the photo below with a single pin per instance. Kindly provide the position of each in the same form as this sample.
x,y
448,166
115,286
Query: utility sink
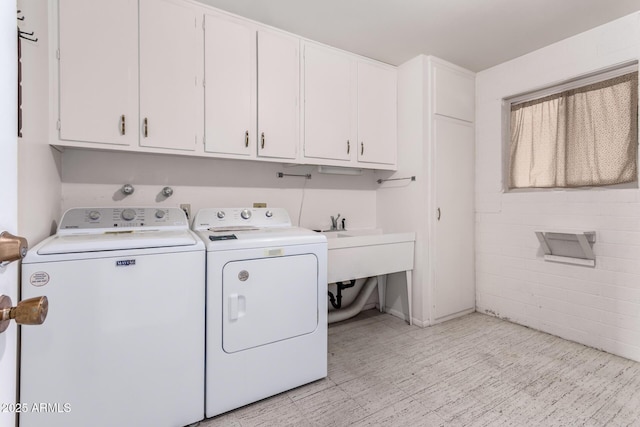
x,y
366,253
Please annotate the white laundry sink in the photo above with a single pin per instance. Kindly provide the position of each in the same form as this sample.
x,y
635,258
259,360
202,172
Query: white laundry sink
x,y
366,253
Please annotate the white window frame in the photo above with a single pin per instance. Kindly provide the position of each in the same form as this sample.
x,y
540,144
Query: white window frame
x,y
583,80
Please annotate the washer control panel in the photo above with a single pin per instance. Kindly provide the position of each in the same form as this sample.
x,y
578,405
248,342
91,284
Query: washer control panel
x,y
241,217
87,220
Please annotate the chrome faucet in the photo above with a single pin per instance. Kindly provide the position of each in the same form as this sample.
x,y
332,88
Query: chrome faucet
x,y
334,222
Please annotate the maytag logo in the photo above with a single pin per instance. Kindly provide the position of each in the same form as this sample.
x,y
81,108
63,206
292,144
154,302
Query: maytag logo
x,y
125,262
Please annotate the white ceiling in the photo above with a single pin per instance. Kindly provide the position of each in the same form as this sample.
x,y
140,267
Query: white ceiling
x,y
475,34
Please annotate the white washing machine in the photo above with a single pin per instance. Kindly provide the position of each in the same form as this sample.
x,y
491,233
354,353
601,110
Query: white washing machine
x,y
123,343
266,305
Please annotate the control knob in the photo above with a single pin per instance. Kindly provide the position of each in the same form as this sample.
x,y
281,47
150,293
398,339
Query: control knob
x,y
94,215
159,214
268,214
128,214
245,214
220,214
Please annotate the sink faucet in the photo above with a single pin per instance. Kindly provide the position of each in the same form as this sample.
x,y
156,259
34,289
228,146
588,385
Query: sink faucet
x,y
334,222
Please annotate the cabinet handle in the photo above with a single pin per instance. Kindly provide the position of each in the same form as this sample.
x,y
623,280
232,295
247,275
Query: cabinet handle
x,y
246,139
145,127
438,214
262,143
361,148
348,146
122,125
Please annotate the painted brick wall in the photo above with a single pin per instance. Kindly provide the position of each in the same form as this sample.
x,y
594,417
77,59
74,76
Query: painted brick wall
x,y
599,306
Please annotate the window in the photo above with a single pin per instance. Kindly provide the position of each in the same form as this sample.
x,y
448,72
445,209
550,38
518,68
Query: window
x,y
577,134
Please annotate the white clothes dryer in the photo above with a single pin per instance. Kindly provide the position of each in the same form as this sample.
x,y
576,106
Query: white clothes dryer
x,y
266,305
123,343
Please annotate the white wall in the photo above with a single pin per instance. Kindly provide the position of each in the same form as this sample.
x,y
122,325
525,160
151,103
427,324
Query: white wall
x,y
94,178
402,205
38,164
597,306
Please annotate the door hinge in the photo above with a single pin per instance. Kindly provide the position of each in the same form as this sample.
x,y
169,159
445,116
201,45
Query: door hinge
x,y
58,125
204,140
58,54
204,82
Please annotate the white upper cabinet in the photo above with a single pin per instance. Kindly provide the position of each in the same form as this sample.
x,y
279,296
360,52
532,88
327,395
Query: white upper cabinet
x,y
175,77
170,37
110,91
230,86
454,92
377,113
278,95
98,71
329,104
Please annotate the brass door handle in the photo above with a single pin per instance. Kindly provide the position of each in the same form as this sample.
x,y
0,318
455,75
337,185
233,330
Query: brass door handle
x,y
32,311
12,248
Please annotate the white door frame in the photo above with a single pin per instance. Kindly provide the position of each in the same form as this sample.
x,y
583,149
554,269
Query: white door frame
x,y
8,197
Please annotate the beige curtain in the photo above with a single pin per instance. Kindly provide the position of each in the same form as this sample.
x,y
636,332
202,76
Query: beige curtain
x,y
581,137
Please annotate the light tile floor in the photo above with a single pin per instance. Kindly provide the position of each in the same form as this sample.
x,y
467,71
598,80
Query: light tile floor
x,y
476,370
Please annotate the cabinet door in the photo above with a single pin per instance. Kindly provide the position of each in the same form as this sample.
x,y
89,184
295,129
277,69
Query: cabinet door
x,y
278,95
377,121
328,104
454,286
98,71
230,87
169,53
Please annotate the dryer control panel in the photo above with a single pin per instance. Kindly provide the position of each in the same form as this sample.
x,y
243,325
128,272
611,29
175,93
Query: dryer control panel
x,y
241,218
121,219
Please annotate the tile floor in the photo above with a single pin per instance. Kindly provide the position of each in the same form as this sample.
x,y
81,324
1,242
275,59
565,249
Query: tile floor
x,y
473,371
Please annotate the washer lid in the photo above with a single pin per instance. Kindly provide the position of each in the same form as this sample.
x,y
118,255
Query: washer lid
x,y
111,241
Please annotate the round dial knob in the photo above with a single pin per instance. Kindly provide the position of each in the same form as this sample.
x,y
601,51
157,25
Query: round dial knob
x,y
128,214
245,214
94,215
268,214
159,214
220,214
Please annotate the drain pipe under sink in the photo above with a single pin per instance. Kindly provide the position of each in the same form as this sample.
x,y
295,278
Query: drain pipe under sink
x,y
356,306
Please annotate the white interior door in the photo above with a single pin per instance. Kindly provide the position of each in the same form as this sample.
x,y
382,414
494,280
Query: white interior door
x,y
454,285
8,196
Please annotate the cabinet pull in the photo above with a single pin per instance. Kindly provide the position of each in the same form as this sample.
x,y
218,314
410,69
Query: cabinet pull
x,y
262,143
438,214
246,139
122,125
145,127
361,148
348,146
